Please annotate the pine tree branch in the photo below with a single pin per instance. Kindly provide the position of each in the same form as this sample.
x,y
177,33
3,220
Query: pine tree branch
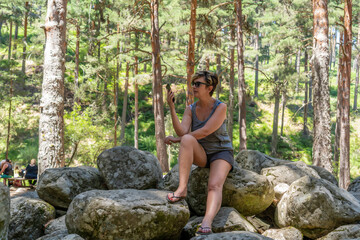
x,y
217,6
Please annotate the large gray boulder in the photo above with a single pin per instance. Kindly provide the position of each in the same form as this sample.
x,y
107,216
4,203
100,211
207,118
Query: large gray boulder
x,y
236,235
325,174
58,186
288,173
316,207
171,180
255,161
127,167
5,211
351,231
60,235
226,220
354,188
288,233
28,218
126,214
354,185
246,191
57,224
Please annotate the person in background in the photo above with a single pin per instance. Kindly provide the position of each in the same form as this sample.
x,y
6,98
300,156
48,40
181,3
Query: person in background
x,y
31,172
6,170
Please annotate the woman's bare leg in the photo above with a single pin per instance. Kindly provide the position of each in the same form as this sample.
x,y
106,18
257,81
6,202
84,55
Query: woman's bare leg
x,y
191,152
219,170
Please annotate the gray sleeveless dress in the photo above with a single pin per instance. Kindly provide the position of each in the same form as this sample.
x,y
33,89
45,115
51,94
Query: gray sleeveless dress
x,y
216,142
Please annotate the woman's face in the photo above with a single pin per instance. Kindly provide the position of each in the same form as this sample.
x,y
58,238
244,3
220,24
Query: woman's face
x,y
200,87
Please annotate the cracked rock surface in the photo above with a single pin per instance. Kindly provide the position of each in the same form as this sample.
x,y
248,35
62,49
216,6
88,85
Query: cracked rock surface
x,y
316,207
127,167
58,186
126,214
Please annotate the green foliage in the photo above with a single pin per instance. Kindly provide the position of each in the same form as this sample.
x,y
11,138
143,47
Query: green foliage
x,y
284,27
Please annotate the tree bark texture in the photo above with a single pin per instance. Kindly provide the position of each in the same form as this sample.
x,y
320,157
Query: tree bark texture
x,y
23,66
257,48
10,42
338,112
136,90
305,128
298,58
283,106
232,88
218,72
190,64
123,115
51,126
321,93
116,89
274,139
344,171
10,96
241,77
357,67
77,60
158,104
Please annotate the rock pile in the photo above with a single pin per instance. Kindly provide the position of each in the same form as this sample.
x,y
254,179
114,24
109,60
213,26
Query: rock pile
x,y
125,198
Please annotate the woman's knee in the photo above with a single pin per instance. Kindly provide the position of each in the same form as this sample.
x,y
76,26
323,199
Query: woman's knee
x,y
188,140
215,186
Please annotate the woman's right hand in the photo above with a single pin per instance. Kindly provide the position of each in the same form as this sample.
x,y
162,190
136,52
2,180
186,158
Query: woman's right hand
x,y
170,97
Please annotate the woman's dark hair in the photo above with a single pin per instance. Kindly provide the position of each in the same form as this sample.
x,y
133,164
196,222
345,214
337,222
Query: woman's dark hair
x,y
210,78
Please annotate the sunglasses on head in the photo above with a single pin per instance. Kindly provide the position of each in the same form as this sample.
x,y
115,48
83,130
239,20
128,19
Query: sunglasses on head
x,y
197,84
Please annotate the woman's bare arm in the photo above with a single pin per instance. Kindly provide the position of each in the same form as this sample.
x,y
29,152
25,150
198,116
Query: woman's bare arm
x,y
215,121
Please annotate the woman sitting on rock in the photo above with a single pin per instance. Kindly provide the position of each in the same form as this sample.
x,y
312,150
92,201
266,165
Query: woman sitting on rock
x,y
6,170
204,141
31,172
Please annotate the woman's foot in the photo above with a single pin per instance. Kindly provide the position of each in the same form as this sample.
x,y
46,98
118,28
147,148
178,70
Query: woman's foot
x,y
176,196
204,231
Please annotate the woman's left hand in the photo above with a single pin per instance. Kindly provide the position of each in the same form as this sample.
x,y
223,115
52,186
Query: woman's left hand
x,y
170,140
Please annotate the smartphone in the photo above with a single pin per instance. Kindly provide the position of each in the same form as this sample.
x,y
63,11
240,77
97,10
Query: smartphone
x,y
169,90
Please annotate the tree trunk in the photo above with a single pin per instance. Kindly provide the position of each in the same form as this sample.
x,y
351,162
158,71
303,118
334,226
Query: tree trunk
x,y
16,37
23,66
338,112
136,90
157,88
274,139
123,116
331,47
232,89
357,67
257,48
10,95
116,88
51,126
190,65
298,58
218,71
10,41
305,128
241,77
9,120
322,119
344,173
1,23
283,106
77,61
207,64
334,48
